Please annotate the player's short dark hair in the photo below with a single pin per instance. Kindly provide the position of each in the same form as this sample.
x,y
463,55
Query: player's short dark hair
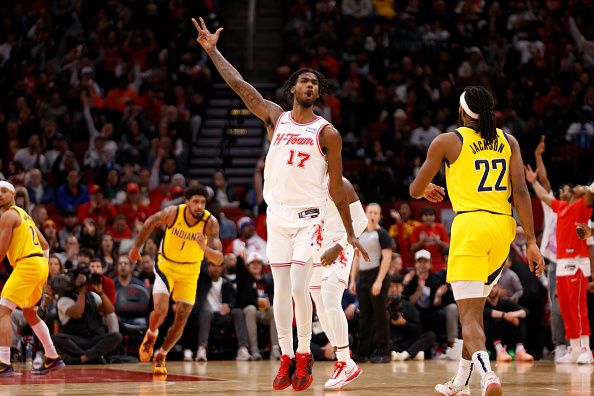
x,y
292,81
480,101
195,190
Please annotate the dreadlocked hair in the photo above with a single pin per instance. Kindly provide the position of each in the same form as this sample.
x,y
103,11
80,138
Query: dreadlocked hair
x,y
292,81
480,101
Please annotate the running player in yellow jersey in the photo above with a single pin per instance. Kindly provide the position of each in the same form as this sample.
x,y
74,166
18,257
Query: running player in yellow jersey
x,y
28,252
484,171
191,234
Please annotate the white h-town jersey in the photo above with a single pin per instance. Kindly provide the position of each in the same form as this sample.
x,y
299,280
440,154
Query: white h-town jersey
x,y
295,168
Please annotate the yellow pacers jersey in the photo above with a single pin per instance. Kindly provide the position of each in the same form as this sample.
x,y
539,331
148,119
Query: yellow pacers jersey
x,y
179,243
479,179
24,241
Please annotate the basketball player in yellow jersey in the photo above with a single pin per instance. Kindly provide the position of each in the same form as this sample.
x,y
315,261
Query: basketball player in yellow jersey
x,y
191,234
28,252
484,171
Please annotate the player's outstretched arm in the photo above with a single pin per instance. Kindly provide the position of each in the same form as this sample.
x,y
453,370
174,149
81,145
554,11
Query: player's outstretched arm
x,y
523,205
211,243
8,221
164,217
265,110
421,185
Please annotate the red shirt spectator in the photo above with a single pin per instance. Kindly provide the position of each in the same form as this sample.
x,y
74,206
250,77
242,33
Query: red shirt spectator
x,y
98,208
568,243
432,237
120,229
107,284
133,209
402,232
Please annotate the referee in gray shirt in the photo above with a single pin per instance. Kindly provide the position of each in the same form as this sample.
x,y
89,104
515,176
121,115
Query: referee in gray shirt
x,y
372,290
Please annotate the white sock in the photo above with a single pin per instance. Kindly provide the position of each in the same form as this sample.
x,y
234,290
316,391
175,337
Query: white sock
x,y
152,334
481,362
499,346
585,342
316,295
464,372
332,291
300,280
283,309
343,354
42,332
575,344
520,347
5,355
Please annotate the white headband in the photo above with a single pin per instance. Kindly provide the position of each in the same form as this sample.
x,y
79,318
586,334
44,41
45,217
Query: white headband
x,y
7,185
464,105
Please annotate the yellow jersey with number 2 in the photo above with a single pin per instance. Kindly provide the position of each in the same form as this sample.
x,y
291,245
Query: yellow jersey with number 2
x,y
479,179
24,242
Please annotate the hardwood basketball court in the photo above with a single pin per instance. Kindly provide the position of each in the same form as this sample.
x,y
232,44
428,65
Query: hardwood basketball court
x,y
255,378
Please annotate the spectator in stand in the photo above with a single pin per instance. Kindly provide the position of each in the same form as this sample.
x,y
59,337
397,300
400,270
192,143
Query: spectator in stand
x,y
430,295
402,231
32,156
40,192
73,193
133,208
357,9
407,339
175,197
510,284
147,270
224,192
423,135
217,302
125,273
50,232
90,235
372,289
533,294
21,199
38,214
98,208
249,241
574,206
431,236
395,265
254,295
107,254
120,230
71,226
70,255
107,284
505,323
55,266
160,193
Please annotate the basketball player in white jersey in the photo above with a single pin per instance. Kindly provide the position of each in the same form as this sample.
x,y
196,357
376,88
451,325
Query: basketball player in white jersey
x,y
330,278
303,148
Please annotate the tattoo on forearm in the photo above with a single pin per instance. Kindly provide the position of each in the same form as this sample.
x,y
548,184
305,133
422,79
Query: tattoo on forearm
x,y
248,94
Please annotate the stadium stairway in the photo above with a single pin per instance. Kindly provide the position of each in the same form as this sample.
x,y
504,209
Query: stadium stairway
x,y
231,138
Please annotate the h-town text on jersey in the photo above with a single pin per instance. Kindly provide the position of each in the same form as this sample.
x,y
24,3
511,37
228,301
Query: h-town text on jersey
x,y
292,139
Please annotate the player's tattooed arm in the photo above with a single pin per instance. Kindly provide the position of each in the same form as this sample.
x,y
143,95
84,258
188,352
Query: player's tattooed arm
x,y
265,110
159,219
211,243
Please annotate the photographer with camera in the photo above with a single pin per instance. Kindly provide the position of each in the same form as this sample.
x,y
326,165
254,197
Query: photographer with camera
x,y
82,337
407,339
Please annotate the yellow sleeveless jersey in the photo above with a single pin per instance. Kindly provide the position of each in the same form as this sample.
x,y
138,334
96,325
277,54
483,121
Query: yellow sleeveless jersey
x,y
179,243
24,241
479,179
